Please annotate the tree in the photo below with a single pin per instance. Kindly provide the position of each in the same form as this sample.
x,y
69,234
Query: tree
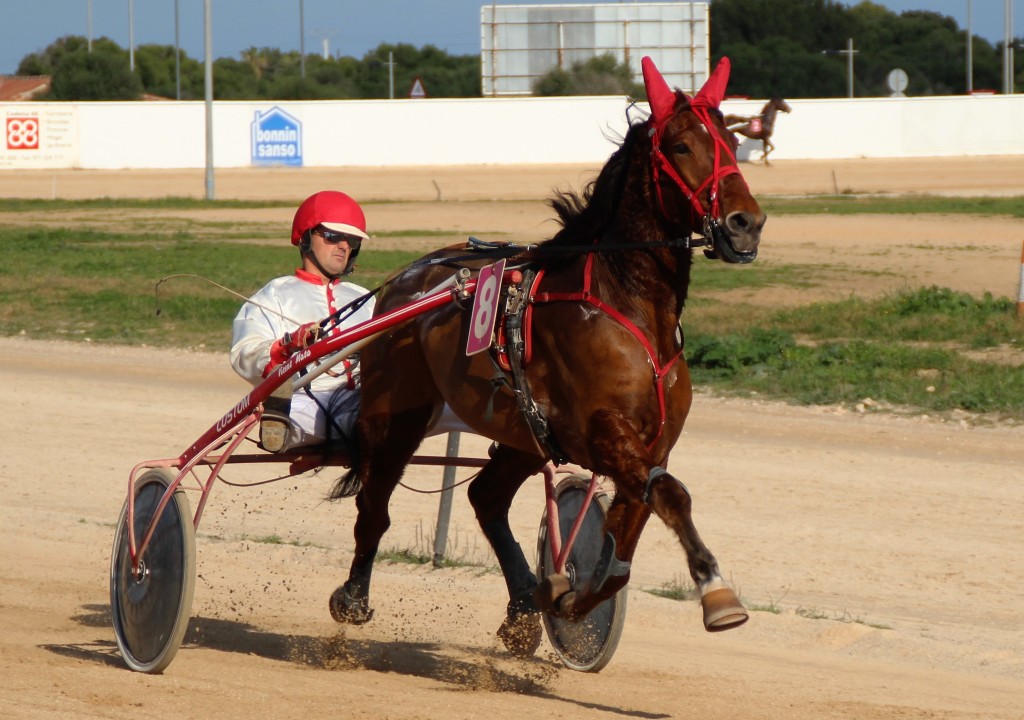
x,y
600,75
442,74
776,47
234,80
156,67
100,75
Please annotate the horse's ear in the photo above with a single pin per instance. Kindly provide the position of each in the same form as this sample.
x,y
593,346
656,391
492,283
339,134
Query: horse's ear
x,y
714,87
659,95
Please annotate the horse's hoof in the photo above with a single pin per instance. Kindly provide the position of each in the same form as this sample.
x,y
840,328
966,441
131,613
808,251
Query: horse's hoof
x,y
521,634
722,610
551,593
348,610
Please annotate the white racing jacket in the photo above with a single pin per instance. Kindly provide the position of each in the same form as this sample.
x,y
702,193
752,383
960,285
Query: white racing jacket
x,y
301,298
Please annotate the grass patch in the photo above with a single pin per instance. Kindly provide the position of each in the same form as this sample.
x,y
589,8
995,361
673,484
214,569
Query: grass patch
x,y
770,607
907,349
716,277
406,556
843,617
675,589
412,556
811,613
844,204
163,203
102,285
275,539
417,233
901,205
461,550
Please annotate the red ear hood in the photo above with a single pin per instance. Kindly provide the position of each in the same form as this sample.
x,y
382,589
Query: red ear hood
x,y
659,95
714,87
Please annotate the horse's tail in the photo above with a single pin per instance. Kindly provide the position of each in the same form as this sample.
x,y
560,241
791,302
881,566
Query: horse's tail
x,y
348,484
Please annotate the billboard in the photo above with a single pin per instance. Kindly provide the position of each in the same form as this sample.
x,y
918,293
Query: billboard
x,y
38,136
276,138
521,43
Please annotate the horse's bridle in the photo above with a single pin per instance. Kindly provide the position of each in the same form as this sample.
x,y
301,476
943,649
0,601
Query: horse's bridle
x,y
706,218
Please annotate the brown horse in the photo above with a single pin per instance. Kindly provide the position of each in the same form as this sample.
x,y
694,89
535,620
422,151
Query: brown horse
x,y
759,127
603,383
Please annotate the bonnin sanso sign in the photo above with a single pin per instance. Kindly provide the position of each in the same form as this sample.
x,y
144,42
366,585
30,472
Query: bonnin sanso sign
x,y
276,138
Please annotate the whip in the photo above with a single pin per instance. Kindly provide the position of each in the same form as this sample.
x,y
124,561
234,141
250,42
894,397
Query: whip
x,y
156,294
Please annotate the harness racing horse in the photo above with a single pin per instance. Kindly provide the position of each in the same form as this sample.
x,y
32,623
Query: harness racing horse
x,y
604,384
759,127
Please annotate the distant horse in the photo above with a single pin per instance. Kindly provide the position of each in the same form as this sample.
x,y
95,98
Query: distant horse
x,y
603,382
759,127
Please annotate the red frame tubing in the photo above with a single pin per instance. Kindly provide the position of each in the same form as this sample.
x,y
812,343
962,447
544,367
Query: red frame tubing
x,y
231,430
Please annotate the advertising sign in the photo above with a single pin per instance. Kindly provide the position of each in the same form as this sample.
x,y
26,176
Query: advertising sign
x,y
276,138
36,136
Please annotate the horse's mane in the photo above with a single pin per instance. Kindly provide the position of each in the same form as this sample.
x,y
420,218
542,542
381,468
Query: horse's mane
x,y
584,215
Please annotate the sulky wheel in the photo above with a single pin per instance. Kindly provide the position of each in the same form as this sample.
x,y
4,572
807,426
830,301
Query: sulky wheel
x,y
150,609
587,645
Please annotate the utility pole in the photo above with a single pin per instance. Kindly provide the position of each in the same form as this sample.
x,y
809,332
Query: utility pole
x,y
89,24
391,74
970,49
131,35
208,43
849,52
302,38
177,54
1008,49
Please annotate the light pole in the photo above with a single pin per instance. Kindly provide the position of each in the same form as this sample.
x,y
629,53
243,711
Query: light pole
x,y
391,74
970,49
131,35
177,54
89,27
1008,48
302,39
208,81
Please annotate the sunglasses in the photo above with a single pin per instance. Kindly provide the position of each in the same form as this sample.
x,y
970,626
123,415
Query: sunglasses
x,y
333,238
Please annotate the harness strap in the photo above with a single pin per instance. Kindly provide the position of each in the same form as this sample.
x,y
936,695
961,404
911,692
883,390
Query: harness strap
x,y
514,352
661,164
585,295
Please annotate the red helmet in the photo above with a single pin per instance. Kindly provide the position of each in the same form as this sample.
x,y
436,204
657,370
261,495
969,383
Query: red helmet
x,y
332,209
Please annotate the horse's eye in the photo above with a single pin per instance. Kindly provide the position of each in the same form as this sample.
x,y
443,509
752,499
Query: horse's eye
x,y
681,149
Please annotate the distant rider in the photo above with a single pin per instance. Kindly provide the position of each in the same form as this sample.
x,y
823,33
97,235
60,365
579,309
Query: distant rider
x,y
283,318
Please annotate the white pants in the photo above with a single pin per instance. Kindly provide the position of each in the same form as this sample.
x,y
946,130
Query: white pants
x,y
310,427
309,422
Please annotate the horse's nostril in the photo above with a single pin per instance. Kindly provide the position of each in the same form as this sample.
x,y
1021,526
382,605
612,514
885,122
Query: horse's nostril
x,y
741,222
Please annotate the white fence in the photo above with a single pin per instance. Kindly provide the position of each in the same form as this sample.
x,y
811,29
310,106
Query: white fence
x,y
895,127
498,131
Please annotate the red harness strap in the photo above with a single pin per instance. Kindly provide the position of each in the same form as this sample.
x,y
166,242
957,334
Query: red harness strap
x,y
661,164
585,295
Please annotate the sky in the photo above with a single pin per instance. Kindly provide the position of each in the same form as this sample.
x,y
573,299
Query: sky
x,y
349,27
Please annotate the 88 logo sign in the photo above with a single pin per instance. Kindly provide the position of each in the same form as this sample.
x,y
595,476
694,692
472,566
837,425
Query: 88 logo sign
x,y
22,133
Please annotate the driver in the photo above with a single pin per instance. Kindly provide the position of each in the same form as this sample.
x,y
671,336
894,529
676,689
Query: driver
x,y
283,318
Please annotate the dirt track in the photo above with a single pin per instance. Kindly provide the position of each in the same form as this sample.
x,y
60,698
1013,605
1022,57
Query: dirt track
x,y
891,547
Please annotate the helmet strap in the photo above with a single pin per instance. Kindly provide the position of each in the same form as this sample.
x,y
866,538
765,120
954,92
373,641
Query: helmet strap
x,y
306,249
